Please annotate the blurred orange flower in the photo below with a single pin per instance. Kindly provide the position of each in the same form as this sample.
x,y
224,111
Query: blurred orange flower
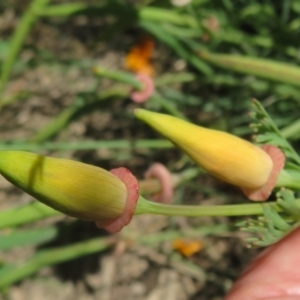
x,y
139,58
188,247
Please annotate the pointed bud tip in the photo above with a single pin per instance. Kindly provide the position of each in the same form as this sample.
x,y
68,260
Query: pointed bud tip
x,y
139,112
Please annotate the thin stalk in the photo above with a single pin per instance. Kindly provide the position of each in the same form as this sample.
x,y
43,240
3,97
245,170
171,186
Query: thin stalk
x,y
19,36
147,207
171,78
87,145
119,76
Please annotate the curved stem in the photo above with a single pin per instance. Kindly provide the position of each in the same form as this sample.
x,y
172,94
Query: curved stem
x,y
148,207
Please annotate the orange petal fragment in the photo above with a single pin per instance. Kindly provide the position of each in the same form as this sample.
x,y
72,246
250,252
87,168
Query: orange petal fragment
x,y
188,248
160,172
139,58
132,186
263,193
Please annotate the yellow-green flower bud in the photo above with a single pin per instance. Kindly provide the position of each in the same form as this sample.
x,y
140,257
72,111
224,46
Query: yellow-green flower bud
x,y
226,156
74,188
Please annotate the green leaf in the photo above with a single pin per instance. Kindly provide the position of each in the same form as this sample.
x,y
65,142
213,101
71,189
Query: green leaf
x,y
274,225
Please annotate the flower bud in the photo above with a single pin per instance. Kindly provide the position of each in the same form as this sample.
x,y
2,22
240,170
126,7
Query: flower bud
x,y
74,188
226,156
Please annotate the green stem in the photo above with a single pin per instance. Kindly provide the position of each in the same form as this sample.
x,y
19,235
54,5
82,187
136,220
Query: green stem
x,y
119,76
171,78
289,179
88,145
20,34
148,207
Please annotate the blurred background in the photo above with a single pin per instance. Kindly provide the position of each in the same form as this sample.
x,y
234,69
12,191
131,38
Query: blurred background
x,y
68,70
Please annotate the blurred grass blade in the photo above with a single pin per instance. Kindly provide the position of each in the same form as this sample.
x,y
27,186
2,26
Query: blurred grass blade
x,y
265,68
13,273
20,34
291,131
31,237
26,214
175,44
67,9
145,13
171,78
119,76
87,145
157,14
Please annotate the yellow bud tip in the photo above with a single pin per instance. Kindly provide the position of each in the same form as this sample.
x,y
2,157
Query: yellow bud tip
x,y
138,112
